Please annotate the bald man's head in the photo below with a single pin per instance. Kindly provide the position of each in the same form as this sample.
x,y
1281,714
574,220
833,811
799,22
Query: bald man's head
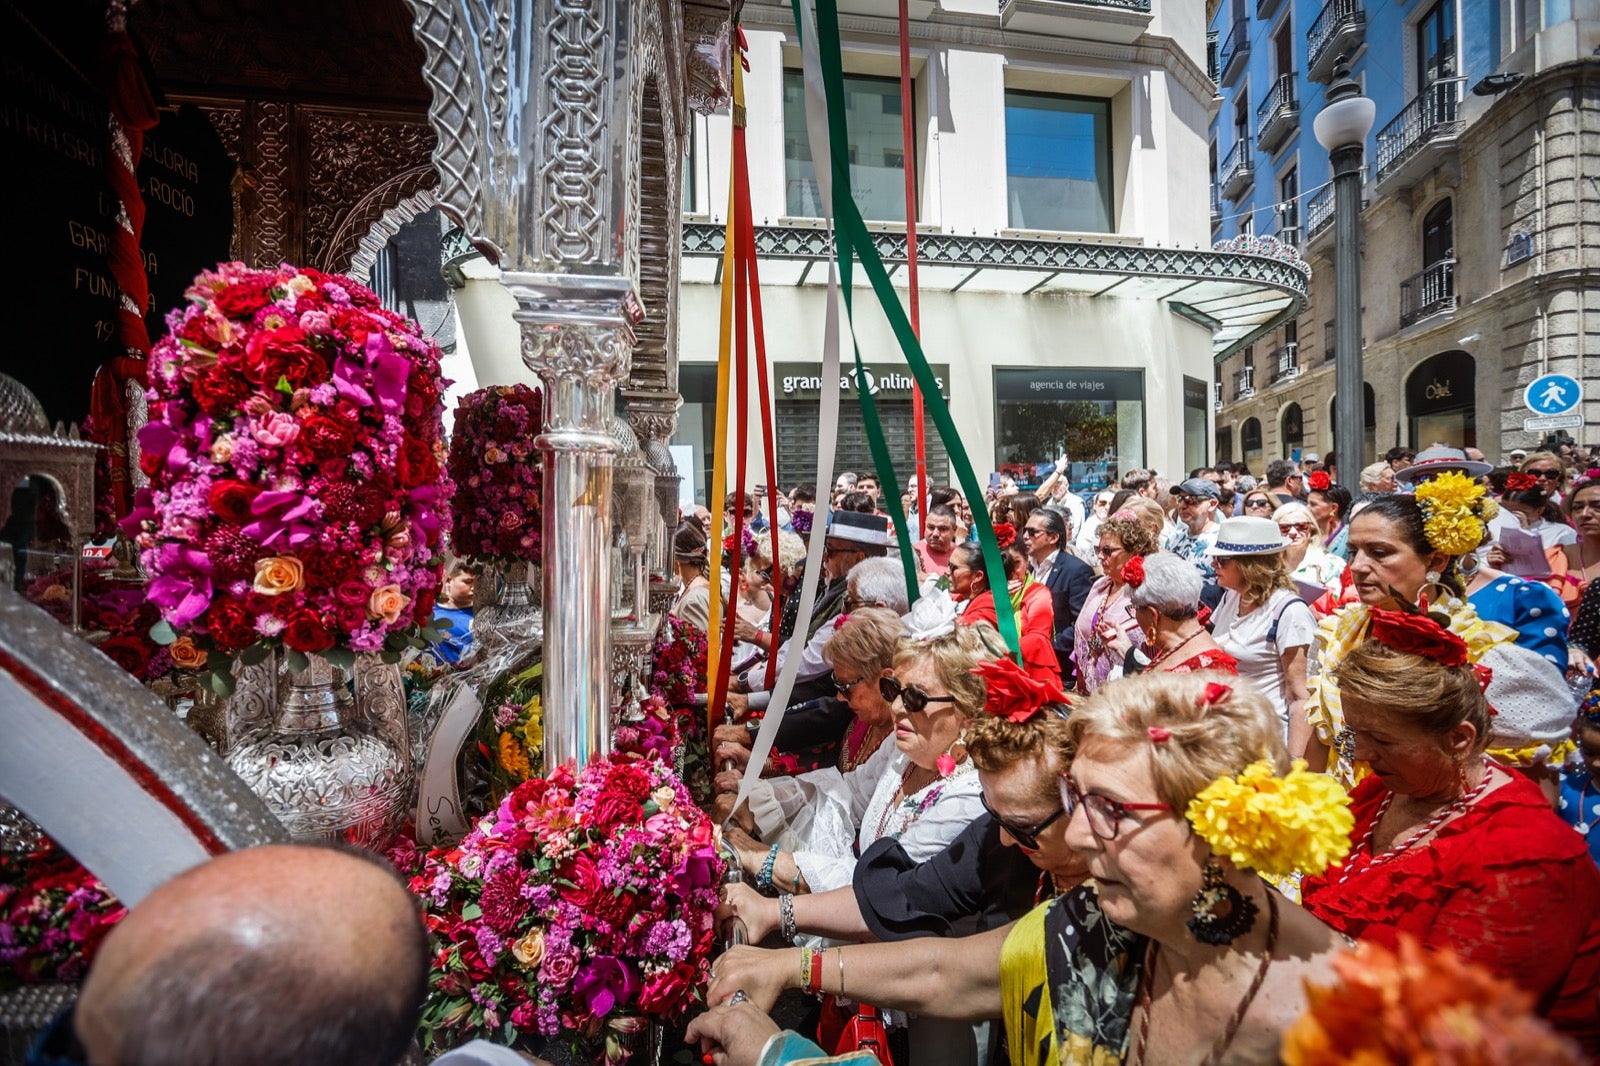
x,y
282,954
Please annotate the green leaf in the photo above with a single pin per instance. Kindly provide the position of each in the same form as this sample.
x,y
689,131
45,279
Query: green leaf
x,y
389,656
283,386
221,682
255,653
163,633
343,658
396,641
471,912
298,661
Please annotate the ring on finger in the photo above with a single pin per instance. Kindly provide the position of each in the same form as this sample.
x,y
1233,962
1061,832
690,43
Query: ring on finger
x,y
739,996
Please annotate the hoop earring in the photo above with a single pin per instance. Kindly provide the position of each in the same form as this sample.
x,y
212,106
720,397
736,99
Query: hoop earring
x,y
1222,913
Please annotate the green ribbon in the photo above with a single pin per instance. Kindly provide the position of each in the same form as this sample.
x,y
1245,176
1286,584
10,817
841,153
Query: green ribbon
x,y
853,239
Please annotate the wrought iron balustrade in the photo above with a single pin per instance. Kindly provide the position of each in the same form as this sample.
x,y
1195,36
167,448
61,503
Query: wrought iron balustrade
x,y
1277,116
1244,383
1433,113
1238,169
1286,362
1428,292
1235,53
1337,29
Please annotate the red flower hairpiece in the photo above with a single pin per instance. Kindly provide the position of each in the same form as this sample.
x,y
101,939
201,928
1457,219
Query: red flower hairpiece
x,y
1133,572
840,620
1013,693
1521,482
1215,693
1004,534
1159,734
1484,676
1418,634
1319,481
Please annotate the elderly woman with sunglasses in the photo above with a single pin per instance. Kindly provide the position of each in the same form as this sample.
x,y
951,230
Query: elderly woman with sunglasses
x,y
1169,948
1107,615
993,873
1305,558
802,834
1452,848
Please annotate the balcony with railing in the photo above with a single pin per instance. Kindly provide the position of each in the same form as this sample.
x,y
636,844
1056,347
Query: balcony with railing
x,y
1237,170
1338,30
1319,212
1216,205
1428,292
1286,363
1327,341
1278,115
1235,54
1117,21
1213,69
1244,383
1216,395
1421,134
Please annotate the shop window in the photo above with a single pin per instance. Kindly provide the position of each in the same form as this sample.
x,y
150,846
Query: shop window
x,y
1291,430
1094,417
877,150
1441,401
1250,445
1058,162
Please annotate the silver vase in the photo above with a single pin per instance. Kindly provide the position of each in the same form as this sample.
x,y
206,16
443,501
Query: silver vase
x,y
334,763
506,608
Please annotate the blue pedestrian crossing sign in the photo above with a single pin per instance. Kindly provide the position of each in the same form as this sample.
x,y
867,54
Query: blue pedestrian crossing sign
x,y
1552,394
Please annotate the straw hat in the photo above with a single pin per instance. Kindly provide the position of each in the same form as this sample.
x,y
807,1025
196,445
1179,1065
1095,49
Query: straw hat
x,y
1437,460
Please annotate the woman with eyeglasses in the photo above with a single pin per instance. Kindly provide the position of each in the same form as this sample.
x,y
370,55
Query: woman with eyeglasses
x,y
1305,558
1551,472
1031,602
1165,594
1107,615
1582,509
1451,847
802,834
1400,560
1259,503
1172,949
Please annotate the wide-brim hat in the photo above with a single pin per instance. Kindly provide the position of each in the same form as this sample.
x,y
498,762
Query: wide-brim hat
x,y
857,526
1247,535
1438,460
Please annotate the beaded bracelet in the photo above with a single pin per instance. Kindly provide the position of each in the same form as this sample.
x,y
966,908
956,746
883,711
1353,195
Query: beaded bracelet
x,y
764,875
805,967
786,917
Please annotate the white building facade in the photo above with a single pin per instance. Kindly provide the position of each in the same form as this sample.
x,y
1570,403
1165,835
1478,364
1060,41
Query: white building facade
x,y
1060,154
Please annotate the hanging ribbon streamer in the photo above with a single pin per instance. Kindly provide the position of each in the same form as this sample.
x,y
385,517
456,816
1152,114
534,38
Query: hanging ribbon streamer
x,y
906,143
853,238
827,426
716,658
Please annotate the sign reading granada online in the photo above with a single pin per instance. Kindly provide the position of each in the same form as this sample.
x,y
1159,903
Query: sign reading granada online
x,y
888,380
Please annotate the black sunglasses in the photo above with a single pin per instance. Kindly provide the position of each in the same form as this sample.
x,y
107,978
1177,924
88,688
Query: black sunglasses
x,y
914,699
1025,836
1548,475
843,687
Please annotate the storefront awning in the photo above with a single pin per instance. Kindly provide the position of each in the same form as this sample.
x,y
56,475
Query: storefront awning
x,y
1239,295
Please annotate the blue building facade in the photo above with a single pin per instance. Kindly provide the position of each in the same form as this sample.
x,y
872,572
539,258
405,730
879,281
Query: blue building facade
x,y
1460,195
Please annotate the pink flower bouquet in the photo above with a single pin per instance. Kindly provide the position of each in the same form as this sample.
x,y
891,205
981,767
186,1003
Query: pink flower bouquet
x,y
496,510
295,489
581,906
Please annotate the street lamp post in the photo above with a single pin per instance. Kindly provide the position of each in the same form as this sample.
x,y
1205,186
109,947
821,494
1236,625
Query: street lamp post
x,y
1341,128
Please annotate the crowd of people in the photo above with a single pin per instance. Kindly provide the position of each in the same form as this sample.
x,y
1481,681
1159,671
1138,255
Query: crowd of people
x,y
1027,839
1247,724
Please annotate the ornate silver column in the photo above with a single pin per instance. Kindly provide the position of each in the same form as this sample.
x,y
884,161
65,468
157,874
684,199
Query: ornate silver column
x,y
538,107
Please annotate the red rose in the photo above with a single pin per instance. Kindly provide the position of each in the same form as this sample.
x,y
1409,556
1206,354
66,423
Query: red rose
x,y
128,652
426,598
1521,482
585,885
612,809
150,463
243,299
1418,634
1004,534
283,353
218,393
306,632
230,500
666,992
1133,571
416,463
1014,694
326,570
328,438
229,625
1320,481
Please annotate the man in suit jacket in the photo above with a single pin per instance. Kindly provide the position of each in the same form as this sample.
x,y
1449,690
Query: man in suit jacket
x,y
1066,576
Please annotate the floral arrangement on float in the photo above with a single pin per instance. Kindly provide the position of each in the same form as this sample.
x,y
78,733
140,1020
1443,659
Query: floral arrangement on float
x,y
677,676
581,909
1413,1005
53,916
295,485
495,513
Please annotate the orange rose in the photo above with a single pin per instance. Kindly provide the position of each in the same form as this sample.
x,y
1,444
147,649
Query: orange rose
x,y
185,654
278,575
387,603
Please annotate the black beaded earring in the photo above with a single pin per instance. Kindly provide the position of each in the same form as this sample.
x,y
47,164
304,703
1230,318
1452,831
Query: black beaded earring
x,y
1222,913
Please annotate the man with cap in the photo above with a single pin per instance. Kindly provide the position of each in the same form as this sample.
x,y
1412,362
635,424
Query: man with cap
x,y
852,537
1310,462
1196,529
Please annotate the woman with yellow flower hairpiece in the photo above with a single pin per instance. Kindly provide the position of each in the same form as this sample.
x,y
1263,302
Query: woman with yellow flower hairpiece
x,y
1405,554
1177,951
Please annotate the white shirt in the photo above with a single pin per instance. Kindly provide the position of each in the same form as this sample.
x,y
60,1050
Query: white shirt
x,y
1245,639
1042,569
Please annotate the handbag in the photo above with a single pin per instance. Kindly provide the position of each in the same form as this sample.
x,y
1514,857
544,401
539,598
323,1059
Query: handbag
x,y
859,1027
